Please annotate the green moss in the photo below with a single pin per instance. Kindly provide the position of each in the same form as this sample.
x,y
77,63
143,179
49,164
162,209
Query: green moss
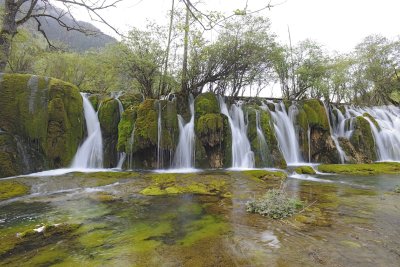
x,y
9,163
266,175
205,104
269,154
172,184
361,169
305,170
146,125
95,238
209,128
207,227
94,100
372,119
125,129
363,140
45,112
11,189
109,117
315,114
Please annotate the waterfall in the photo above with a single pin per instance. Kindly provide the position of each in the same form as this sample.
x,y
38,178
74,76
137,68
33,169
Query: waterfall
x,y
131,141
338,130
309,143
262,143
185,151
242,156
285,132
387,135
90,153
121,155
159,136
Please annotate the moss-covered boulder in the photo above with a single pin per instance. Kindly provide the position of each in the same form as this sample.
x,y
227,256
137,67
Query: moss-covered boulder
x,y
109,118
44,115
263,141
363,141
139,136
213,132
314,133
205,104
126,130
305,170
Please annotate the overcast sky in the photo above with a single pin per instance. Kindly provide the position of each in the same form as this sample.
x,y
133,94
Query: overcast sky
x,y
336,24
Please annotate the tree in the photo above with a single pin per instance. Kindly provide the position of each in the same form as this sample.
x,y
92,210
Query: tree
x,y
378,68
239,58
18,12
301,70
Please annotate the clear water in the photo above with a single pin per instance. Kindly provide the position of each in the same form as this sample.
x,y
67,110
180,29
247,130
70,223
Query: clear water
x,y
346,224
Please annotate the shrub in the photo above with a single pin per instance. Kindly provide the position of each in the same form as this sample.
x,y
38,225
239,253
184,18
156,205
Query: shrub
x,y
275,204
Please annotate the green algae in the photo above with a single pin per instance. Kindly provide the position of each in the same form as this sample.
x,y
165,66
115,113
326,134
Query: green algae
x,y
305,170
361,169
11,189
173,184
265,175
207,227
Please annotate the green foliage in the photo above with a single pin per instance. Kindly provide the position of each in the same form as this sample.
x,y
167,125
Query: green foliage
x,y
275,204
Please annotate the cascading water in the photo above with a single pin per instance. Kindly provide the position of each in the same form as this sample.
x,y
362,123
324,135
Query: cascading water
x,y
159,136
185,151
338,130
262,143
242,156
121,155
387,135
131,141
285,132
90,153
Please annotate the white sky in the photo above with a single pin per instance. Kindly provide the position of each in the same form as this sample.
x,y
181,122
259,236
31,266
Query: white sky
x,y
336,24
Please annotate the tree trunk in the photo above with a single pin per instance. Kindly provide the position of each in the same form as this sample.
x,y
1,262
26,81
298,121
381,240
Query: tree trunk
x,y
8,30
167,50
185,53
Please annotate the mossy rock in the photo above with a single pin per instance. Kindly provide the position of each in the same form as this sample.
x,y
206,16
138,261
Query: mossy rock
x,y
125,129
173,184
361,169
95,101
109,117
268,154
46,114
146,125
11,189
305,170
10,164
266,175
315,114
129,99
206,103
362,139
372,119
209,128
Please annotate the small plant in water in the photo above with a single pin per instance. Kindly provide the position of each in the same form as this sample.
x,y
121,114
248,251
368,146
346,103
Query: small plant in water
x,y
397,189
275,204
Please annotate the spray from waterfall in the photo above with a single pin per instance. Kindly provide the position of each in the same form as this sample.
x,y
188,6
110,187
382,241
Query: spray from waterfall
x,y
242,156
90,153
